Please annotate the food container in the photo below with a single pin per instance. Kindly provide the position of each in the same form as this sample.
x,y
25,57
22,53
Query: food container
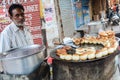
x,y
22,60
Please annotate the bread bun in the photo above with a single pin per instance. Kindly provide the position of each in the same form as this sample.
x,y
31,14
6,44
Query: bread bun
x,y
68,57
84,56
91,54
62,56
103,34
61,51
104,51
114,44
80,50
75,57
110,33
77,41
110,50
98,54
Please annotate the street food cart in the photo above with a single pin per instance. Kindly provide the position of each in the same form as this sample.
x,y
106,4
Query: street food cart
x,y
86,59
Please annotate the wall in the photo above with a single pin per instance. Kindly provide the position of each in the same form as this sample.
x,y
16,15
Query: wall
x,y
67,22
50,21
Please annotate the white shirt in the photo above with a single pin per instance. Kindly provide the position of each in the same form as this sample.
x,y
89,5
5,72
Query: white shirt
x,y
13,37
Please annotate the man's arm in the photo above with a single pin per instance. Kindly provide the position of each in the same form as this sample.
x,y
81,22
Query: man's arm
x,y
5,43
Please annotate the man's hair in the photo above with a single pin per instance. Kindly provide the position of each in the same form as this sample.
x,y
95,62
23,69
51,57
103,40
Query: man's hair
x,y
14,6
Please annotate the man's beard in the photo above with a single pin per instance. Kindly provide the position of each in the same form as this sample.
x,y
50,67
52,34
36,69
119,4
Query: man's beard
x,y
19,24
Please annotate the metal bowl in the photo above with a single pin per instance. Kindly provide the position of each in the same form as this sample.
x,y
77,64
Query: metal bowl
x,y
23,60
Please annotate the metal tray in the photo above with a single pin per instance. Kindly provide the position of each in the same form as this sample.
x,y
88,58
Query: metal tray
x,y
54,56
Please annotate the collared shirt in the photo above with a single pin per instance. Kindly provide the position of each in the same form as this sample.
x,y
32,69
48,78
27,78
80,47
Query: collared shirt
x,y
13,37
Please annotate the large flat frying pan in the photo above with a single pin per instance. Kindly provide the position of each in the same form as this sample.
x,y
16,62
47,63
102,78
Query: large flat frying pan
x,y
56,57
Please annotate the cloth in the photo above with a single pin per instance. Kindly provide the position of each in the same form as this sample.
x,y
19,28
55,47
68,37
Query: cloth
x,y
13,37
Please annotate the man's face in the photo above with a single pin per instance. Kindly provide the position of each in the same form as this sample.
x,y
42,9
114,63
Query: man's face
x,y
18,17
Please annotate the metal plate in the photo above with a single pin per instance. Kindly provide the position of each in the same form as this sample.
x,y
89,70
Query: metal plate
x,y
53,55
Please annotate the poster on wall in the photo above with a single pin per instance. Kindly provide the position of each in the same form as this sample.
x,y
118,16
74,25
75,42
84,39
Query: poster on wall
x,y
86,13
49,12
50,21
32,17
78,13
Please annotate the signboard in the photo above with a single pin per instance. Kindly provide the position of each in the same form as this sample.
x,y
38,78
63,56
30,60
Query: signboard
x,y
32,14
4,19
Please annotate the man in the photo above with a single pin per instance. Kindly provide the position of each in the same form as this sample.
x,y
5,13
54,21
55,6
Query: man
x,y
15,34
